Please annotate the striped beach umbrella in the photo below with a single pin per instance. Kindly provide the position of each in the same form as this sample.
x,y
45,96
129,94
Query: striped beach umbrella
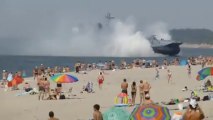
x,y
150,112
64,78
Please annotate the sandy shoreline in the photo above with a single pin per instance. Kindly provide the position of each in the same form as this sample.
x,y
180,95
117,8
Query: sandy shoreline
x,y
80,107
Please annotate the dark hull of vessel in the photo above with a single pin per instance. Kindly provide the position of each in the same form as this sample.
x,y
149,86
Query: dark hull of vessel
x,y
171,49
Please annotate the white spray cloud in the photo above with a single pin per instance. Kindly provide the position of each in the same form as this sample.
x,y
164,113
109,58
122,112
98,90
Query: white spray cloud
x,y
126,41
159,29
119,38
62,38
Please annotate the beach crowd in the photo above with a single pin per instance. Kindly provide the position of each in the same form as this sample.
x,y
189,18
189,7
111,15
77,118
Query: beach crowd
x,y
42,75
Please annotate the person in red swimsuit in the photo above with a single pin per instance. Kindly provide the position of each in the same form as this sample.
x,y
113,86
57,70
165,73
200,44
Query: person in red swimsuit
x,y
100,80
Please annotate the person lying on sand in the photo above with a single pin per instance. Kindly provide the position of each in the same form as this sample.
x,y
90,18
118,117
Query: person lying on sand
x,y
176,101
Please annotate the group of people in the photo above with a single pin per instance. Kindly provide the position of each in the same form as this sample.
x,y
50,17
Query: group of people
x,y
144,91
8,77
43,86
42,69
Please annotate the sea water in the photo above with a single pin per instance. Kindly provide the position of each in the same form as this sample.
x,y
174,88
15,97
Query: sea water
x,y
27,63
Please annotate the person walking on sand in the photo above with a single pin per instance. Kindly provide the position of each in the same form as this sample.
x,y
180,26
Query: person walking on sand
x,y
41,89
97,115
133,92
124,87
189,69
141,92
51,115
169,76
157,76
100,80
193,112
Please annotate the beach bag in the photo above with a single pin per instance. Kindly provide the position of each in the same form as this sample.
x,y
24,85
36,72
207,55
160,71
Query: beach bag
x,y
62,97
205,98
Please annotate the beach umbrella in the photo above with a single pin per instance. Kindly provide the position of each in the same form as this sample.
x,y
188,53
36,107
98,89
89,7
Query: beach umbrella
x,y
116,113
205,72
64,78
16,80
150,112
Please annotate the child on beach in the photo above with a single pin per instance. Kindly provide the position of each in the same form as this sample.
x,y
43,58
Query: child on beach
x,y
97,115
100,80
189,70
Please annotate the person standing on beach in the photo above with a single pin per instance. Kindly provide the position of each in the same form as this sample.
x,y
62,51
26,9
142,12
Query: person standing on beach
x,y
46,86
35,72
146,87
4,77
189,70
141,92
100,80
124,87
41,89
157,74
97,115
51,115
133,92
169,76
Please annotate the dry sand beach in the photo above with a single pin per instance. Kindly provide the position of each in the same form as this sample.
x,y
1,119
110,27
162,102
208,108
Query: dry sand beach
x,y
80,107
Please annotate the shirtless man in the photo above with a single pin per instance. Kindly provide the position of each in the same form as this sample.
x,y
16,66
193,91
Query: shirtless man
x,y
147,100
41,89
97,115
51,115
193,112
146,87
141,91
124,86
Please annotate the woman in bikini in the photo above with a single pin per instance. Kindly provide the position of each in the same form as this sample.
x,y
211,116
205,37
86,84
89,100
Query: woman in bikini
x,y
133,92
